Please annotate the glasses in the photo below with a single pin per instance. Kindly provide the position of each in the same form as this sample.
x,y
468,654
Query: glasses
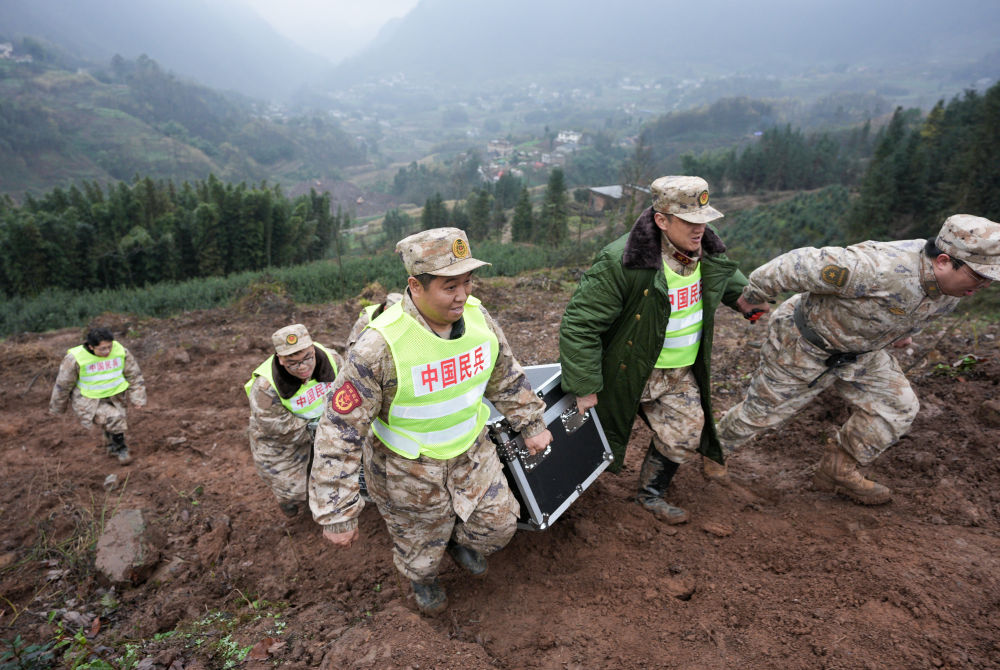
x,y
979,279
301,363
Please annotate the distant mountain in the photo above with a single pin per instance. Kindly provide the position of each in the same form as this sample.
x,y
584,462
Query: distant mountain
x,y
222,43
59,126
462,42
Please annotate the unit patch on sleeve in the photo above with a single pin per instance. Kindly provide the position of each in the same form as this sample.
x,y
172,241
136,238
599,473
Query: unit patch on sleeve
x,y
346,399
834,275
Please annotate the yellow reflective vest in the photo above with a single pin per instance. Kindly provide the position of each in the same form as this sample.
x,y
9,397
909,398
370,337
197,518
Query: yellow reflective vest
x,y
100,377
438,410
683,334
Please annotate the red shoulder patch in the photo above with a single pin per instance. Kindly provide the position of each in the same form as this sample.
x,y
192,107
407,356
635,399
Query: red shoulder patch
x,y
346,399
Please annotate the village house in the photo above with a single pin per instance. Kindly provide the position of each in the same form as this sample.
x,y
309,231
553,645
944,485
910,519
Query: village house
x,y
611,198
499,148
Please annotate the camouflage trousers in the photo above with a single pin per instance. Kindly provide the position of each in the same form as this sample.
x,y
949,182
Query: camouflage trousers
x,y
284,466
108,414
425,502
671,402
884,404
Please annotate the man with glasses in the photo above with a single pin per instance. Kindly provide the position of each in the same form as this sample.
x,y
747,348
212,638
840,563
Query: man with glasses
x,y
851,305
287,392
409,403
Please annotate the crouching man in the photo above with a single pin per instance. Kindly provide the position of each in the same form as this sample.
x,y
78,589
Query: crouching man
x,y
287,393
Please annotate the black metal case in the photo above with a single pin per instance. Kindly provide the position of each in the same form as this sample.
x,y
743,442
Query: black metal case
x,y
547,484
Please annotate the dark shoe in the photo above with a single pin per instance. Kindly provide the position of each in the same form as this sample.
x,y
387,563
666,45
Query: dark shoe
x,y
289,509
117,449
430,598
662,510
470,559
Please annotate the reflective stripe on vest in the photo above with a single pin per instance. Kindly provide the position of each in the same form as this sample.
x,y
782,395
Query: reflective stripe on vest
x,y
438,410
308,401
683,334
100,377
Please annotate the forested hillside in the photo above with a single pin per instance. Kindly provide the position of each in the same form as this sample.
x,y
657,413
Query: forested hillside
x,y
134,118
923,169
222,44
477,44
919,170
927,168
147,232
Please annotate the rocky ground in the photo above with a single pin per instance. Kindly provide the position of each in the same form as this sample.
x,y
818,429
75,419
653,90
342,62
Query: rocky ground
x,y
768,574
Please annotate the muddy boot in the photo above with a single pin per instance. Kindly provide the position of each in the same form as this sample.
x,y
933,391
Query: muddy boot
x,y
430,597
117,448
654,478
838,472
714,471
289,508
470,559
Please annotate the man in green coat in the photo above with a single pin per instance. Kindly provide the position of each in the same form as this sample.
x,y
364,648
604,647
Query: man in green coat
x,y
637,335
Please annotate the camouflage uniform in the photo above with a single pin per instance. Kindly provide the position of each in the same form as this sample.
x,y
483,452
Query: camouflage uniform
x,y
109,413
280,441
421,498
857,299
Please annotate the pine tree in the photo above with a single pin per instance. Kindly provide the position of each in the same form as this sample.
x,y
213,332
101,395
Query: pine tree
x,y
553,219
523,226
435,214
479,215
396,226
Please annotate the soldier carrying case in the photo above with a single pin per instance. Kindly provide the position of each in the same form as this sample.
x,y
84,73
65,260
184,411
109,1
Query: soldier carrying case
x,y
548,483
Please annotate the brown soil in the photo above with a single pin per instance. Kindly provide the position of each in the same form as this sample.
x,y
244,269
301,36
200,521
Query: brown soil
x,y
769,574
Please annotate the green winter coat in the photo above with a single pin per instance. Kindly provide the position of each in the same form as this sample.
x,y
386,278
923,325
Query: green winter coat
x,y
612,330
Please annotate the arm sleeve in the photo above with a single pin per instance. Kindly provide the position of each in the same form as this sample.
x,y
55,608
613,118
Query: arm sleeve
x,y
272,426
62,390
334,490
594,308
734,289
136,384
829,270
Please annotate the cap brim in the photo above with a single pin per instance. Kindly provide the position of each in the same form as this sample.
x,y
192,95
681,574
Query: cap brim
x,y
703,215
459,268
991,272
290,349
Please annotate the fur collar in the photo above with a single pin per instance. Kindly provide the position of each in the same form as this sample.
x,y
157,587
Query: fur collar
x,y
642,249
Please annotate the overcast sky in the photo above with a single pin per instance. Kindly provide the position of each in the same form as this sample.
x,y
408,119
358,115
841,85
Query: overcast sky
x,y
331,28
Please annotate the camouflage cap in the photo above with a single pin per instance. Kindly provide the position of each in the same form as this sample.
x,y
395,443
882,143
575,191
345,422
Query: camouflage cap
x,y
684,197
973,240
290,339
439,251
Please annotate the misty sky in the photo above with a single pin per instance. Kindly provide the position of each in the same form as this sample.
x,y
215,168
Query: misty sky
x,y
331,28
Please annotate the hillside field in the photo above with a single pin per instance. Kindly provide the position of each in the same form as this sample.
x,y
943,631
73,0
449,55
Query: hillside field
x,y
767,574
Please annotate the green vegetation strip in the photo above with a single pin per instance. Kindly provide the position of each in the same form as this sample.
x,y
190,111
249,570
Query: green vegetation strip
x,y
319,281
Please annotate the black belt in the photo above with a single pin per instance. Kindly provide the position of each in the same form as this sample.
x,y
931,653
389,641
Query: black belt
x,y
835,359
